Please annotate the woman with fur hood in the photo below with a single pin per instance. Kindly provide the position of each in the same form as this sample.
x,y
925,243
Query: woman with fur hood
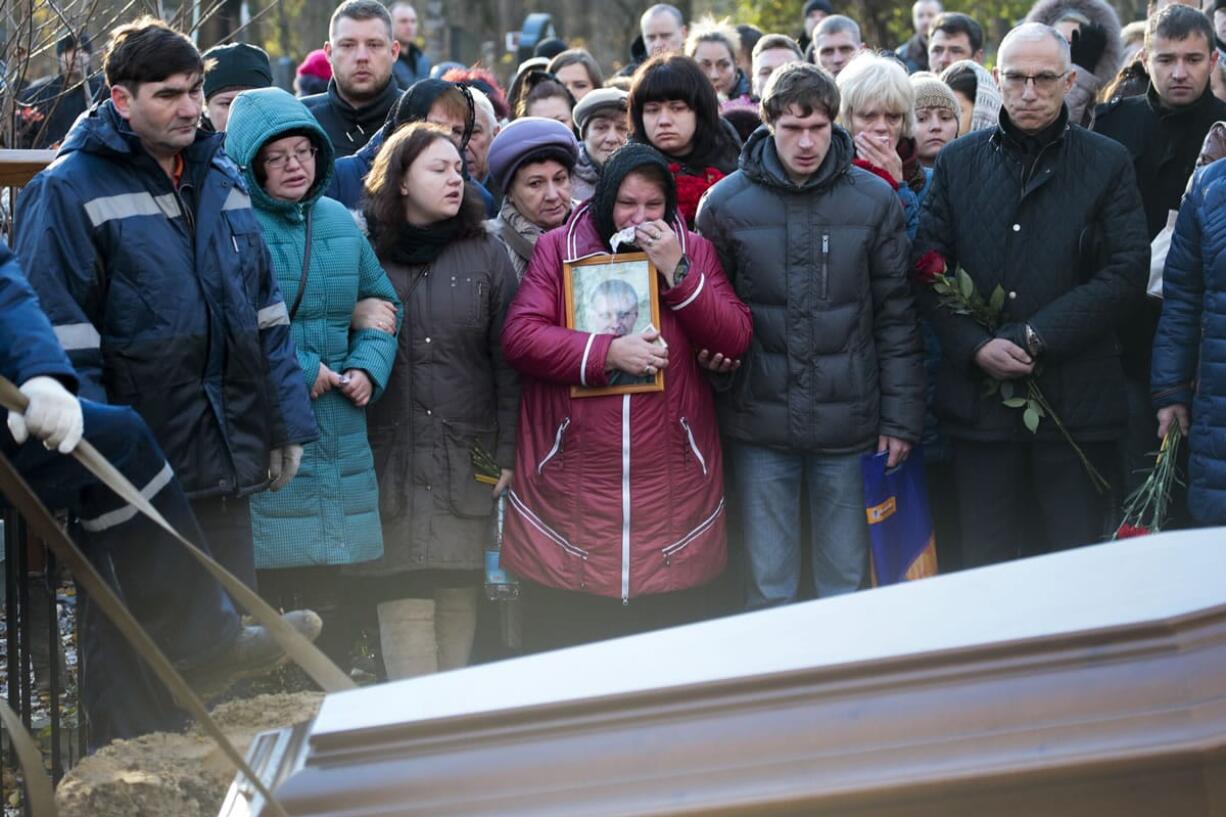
x,y
1093,31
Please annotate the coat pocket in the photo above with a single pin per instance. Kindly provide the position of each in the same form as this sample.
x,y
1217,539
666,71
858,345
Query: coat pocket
x,y
466,496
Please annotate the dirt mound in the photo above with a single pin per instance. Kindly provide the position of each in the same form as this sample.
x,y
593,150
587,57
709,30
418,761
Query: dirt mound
x,y
170,775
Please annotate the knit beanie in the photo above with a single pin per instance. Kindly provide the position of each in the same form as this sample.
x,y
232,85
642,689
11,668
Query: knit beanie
x,y
316,64
986,113
930,92
530,139
1218,5
817,5
235,65
625,160
606,101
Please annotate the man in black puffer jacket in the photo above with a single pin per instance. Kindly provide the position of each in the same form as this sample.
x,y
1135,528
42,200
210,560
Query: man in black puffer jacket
x,y
1051,213
818,250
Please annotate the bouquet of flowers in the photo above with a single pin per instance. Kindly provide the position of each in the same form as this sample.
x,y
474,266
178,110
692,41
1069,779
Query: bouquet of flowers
x,y
957,293
1145,510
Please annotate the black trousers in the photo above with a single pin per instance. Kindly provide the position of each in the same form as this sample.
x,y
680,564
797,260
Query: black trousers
x,y
555,618
1027,498
226,522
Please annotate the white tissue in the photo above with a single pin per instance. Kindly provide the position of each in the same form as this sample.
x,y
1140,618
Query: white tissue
x,y
620,237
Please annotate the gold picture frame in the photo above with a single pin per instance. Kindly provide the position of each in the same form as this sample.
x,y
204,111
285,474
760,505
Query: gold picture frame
x,y
597,291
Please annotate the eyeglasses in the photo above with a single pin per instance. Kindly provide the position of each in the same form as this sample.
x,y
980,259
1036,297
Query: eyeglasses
x,y
280,161
1043,83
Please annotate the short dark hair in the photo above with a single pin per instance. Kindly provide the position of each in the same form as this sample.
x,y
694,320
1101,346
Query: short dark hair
x,y
777,41
578,56
545,88
360,10
148,50
674,77
963,79
749,38
383,204
952,22
1178,22
802,85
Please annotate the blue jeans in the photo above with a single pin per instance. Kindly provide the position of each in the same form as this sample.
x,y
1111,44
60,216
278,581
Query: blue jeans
x,y
183,608
767,486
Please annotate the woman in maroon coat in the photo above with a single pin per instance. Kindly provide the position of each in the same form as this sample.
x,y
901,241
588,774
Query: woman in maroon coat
x,y
616,514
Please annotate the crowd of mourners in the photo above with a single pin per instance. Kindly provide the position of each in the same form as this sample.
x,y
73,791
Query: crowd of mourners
x,y
332,334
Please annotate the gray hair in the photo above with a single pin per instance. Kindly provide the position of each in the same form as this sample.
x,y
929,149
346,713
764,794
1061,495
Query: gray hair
x,y
837,24
1035,32
662,8
483,107
870,80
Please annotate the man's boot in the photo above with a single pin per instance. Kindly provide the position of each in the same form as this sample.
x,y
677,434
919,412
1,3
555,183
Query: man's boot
x,y
455,625
406,638
254,652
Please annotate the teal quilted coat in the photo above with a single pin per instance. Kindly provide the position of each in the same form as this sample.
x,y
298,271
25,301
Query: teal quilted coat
x,y
329,512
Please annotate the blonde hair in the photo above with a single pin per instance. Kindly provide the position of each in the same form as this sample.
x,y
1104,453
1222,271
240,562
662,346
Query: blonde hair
x,y
710,30
869,81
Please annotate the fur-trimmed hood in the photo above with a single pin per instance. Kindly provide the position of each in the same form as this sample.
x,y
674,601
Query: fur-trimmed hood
x,y
1096,11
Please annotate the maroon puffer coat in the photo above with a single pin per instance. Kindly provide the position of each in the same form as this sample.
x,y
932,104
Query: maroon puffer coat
x,y
620,495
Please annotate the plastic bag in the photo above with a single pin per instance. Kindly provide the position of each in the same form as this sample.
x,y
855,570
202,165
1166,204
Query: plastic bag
x,y
903,543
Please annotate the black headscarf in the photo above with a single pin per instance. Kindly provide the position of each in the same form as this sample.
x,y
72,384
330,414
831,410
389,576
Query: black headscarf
x,y
415,103
628,158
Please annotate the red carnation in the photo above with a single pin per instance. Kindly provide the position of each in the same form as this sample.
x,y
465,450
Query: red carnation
x,y
1129,531
690,189
930,267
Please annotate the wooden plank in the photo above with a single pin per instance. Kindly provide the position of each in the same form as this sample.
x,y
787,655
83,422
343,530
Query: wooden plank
x,y
19,166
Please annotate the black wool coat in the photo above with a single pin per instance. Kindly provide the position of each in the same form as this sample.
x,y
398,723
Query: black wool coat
x,y
1065,238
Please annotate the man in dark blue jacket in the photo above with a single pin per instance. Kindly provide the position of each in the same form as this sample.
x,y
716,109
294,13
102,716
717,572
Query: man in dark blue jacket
x,y
143,247
183,608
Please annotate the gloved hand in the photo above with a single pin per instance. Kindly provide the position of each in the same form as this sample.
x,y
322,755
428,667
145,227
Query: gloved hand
x,y
53,415
283,465
1089,43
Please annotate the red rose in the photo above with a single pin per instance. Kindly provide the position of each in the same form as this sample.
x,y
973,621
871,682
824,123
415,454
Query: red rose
x,y
1127,531
930,267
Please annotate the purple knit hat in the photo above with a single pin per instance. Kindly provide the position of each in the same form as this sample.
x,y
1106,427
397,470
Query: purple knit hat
x,y
530,139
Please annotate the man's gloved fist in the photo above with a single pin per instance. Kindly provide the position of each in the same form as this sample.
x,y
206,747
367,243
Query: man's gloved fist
x,y
53,415
1089,43
283,465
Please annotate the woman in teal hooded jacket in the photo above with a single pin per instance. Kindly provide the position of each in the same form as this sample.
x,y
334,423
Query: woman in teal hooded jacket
x,y
328,516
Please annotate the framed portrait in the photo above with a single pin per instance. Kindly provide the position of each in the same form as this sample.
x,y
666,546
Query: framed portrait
x,y
614,295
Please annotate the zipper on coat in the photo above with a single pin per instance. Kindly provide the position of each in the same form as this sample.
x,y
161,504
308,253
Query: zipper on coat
x,y
557,445
825,264
234,241
625,500
689,432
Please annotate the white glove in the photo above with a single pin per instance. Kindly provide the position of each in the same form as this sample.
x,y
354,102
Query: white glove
x,y
53,415
283,465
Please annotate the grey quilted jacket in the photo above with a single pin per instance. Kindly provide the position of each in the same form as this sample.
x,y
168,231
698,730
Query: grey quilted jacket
x,y
836,358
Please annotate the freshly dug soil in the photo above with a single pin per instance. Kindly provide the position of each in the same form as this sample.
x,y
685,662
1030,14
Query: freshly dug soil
x,y
175,775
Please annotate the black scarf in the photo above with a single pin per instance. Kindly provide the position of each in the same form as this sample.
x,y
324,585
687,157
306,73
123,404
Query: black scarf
x,y
421,245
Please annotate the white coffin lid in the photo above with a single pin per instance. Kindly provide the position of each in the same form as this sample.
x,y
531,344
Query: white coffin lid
x,y
1133,581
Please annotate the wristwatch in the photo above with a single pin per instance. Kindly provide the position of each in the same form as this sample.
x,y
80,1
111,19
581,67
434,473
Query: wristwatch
x,y
1033,345
682,270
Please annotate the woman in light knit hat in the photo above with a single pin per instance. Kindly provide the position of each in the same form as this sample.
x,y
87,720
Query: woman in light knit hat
x,y
936,116
977,94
